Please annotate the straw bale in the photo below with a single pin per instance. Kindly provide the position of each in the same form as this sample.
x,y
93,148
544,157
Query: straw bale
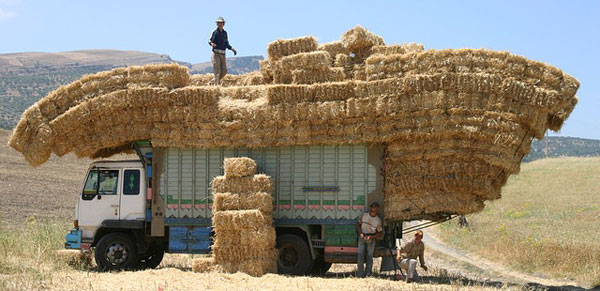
x,y
249,79
202,79
317,76
333,48
266,70
260,237
289,94
239,167
255,268
334,91
242,252
404,48
240,220
342,60
317,60
242,185
229,201
358,39
285,47
203,265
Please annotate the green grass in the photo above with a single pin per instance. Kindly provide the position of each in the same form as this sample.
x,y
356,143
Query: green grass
x,y
28,253
547,222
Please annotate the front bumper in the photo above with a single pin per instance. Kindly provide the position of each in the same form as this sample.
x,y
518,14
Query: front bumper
x,y
73,239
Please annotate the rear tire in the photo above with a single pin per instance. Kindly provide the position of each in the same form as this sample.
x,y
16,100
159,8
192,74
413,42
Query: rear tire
x,y
152,258
320,267
116,251
294,255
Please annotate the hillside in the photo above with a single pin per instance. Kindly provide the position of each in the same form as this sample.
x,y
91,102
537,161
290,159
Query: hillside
x,y
27,77
235,65
546,222
559,146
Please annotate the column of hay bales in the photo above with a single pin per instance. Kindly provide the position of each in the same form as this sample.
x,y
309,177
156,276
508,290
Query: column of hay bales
x,y
243,221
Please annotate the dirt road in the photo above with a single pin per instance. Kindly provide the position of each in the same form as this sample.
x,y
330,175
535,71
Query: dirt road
x,y
466,266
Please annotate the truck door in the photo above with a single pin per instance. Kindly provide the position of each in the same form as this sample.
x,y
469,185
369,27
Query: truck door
x,y
133,198
99,200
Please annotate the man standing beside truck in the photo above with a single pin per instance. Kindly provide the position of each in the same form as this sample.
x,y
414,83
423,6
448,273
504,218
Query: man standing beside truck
x,y
369,229
408,254
220,43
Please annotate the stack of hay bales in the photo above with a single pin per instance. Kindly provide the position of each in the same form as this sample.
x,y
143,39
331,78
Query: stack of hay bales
x,y
243,220
455,123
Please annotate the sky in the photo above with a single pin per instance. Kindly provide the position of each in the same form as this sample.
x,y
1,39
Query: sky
x,y
565,34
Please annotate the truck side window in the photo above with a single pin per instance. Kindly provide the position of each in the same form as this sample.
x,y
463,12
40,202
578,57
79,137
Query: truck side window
x,y
131,182
103,182
91,185
108,182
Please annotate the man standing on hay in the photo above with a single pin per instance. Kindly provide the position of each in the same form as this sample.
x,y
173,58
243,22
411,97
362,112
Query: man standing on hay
x,y
408,254
369,230
220,43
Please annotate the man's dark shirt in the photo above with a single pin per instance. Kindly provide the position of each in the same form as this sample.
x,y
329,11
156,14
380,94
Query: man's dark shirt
x,y
220,39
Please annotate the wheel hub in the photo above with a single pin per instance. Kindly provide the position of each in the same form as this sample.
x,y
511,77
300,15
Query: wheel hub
x,y
288,257
116,254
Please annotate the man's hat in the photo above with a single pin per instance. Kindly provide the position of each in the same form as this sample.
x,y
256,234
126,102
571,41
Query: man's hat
x,y
419,232
220,19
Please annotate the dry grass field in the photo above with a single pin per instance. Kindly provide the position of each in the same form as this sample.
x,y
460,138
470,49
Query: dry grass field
x,y
547,222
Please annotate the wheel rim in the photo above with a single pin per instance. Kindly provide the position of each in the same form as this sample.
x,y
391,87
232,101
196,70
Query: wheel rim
x,y
288,256
117,254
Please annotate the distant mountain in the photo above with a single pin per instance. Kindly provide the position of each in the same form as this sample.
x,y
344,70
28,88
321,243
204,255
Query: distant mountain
x,y
235,65
27,77
558,146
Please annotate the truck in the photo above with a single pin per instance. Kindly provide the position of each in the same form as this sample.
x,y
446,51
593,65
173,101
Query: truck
x,y
130,212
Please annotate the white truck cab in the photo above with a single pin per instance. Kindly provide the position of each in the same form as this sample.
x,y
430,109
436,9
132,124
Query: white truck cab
x,y
113,191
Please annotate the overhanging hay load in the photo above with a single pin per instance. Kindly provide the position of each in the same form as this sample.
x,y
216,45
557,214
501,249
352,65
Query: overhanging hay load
x,y
463,117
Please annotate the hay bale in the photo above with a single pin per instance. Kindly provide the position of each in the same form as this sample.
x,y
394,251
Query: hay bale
x,y
256,267
358,39
404,48
290,94
240,220
202,79
333,48
317,76
285,47
203,265
229,201
317,60
242,185
239,167
266,71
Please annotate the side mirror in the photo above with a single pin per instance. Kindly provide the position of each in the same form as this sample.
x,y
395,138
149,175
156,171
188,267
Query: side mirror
x,y
99,196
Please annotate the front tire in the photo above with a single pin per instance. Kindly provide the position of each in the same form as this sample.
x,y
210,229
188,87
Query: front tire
x,y
294,255
116,251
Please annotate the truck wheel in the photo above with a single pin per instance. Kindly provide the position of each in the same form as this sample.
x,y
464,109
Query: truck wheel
x,y
320,267
152,258
294,255
116,251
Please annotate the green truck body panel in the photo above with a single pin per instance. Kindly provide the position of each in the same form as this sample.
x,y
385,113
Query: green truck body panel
x,y
310,182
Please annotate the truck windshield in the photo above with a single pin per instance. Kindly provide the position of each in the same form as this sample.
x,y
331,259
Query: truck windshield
x,y
107,185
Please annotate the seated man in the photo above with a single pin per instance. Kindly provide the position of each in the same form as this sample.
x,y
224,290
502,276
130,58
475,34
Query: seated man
x,y
407,256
